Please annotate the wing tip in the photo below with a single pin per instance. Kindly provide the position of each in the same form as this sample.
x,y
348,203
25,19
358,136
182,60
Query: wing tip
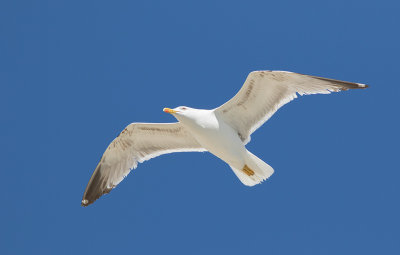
x,y
85,202
355,86
96,187
342,85
90,199
362,86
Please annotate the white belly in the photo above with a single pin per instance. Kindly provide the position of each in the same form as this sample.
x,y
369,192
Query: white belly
x,y
221,140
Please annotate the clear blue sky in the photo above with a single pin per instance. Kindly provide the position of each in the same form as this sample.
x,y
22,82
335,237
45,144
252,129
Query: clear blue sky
x,y
73,74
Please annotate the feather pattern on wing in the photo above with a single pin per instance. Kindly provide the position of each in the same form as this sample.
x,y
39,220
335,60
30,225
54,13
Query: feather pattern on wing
x,y
138,142
264,92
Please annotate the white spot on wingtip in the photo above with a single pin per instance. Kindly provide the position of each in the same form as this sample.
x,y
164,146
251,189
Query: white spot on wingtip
x,y
85,201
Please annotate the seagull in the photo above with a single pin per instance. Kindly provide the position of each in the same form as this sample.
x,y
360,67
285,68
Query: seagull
x,y
223,131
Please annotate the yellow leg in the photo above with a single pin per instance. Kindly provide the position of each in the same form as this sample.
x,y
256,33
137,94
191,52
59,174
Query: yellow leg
x,y
247,170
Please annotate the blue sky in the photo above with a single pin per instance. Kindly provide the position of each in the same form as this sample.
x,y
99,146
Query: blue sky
x,y
73,74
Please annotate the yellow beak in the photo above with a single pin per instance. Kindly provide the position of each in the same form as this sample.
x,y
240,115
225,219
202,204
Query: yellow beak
x,y
168,110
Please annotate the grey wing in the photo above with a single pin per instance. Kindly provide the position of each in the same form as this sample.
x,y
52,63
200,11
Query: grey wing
x,y
264,92
138,142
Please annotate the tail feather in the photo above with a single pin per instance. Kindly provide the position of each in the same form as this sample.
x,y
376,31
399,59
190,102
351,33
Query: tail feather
x,y
254,171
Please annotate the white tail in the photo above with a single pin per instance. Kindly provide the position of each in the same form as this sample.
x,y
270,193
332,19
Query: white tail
x,y
254,171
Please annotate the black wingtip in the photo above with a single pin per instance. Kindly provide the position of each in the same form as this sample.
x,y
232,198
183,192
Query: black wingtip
x,y
96,187
361,86
344,85
85,202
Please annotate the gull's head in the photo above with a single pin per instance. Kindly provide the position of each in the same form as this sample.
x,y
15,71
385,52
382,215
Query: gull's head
x,y
180,110
183,113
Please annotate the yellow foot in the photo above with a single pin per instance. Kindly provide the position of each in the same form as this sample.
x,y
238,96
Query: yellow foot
x,y
247,170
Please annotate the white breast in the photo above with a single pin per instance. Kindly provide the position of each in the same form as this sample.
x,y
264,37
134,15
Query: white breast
x,y
217,137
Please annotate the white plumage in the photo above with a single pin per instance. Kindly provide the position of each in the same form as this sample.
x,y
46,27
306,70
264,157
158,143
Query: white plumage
x,y
223,131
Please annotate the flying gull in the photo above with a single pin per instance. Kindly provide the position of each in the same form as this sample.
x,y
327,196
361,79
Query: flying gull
x,y
223,131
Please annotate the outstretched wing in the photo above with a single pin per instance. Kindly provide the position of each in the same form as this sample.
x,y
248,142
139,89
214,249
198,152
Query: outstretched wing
x,y
264,92
138,142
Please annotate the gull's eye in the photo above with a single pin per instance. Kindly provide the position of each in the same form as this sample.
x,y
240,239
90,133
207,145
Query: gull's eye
x,y
183,108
